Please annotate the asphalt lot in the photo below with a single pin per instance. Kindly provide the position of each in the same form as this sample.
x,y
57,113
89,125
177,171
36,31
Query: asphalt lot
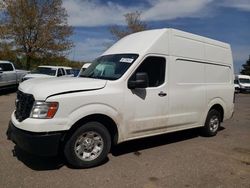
x,y
182,159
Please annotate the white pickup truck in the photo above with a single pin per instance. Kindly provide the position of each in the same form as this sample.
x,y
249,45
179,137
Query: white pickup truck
x,y
9,76
47,71
148,83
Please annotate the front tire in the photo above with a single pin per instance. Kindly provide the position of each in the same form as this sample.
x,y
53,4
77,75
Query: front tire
x,y
212,123
88,146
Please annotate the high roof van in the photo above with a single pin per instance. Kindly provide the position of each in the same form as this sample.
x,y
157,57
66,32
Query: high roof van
x,y
243,82
148,83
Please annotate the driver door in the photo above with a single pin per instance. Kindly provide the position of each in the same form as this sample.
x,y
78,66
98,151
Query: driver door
x,y
146,108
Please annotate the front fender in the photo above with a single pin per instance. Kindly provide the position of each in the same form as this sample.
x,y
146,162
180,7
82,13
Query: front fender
x,y
91,109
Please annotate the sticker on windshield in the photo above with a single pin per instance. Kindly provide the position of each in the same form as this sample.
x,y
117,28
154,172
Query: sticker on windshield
x,y
126,60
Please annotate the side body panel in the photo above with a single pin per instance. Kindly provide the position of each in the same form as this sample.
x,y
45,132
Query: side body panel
x,y
187,93
201,75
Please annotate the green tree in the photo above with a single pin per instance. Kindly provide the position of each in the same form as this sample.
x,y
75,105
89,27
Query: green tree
x,y
133,25
36,28
246,68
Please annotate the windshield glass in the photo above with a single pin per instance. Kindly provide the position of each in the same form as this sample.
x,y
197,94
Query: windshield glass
x,y
45,70
109,67
244,81
69,71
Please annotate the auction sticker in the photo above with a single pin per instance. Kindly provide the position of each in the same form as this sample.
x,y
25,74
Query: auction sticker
x,y
126,60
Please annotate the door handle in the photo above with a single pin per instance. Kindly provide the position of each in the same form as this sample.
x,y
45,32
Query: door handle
x,y
162,94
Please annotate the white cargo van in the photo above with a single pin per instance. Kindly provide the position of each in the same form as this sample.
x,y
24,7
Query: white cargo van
x,y
148,83
243,82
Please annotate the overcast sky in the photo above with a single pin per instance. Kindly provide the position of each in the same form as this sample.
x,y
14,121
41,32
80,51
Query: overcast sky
x,y
225,20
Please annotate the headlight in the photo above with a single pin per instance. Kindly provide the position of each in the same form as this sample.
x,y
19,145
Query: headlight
x,y
44,110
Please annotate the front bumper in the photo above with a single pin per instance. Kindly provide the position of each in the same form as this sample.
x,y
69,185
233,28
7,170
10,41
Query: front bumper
x,y
43,144
245,90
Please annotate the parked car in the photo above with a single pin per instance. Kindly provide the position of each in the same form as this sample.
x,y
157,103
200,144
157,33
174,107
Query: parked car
x,y
244,82
47,71
148,83
9,76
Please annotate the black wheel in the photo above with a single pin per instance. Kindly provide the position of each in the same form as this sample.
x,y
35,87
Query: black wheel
x,y
212,123
88,146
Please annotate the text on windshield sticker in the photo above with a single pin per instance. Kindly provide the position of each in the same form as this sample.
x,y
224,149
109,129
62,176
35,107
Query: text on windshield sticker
x,y
126,60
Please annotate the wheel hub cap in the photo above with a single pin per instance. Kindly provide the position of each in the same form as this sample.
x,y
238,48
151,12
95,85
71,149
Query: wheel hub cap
x,y
88,146
214,123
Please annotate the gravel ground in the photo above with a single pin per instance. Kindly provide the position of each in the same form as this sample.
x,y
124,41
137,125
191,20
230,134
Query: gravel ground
x,y
182,159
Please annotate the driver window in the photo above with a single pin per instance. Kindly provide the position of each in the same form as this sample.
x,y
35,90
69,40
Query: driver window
x,y
6,67
155,68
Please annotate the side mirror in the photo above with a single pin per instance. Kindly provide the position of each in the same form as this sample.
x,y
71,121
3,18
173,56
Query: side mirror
x,y
141,81
1,70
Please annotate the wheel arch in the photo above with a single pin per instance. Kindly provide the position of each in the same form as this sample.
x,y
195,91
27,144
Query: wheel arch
x,y
220,109
105,120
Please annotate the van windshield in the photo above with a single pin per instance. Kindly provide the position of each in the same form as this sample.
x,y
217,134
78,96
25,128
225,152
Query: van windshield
x,y
236,82
244,81
109,67
44,70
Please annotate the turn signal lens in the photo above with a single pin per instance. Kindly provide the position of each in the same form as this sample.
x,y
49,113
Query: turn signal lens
x,y
53,106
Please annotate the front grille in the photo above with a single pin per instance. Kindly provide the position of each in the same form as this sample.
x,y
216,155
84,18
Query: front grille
x,y
24,104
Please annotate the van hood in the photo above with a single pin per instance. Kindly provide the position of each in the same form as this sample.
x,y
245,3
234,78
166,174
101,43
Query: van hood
x,y
42,88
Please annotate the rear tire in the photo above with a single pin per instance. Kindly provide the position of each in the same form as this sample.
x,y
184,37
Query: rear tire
x,y
88,146
212,123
